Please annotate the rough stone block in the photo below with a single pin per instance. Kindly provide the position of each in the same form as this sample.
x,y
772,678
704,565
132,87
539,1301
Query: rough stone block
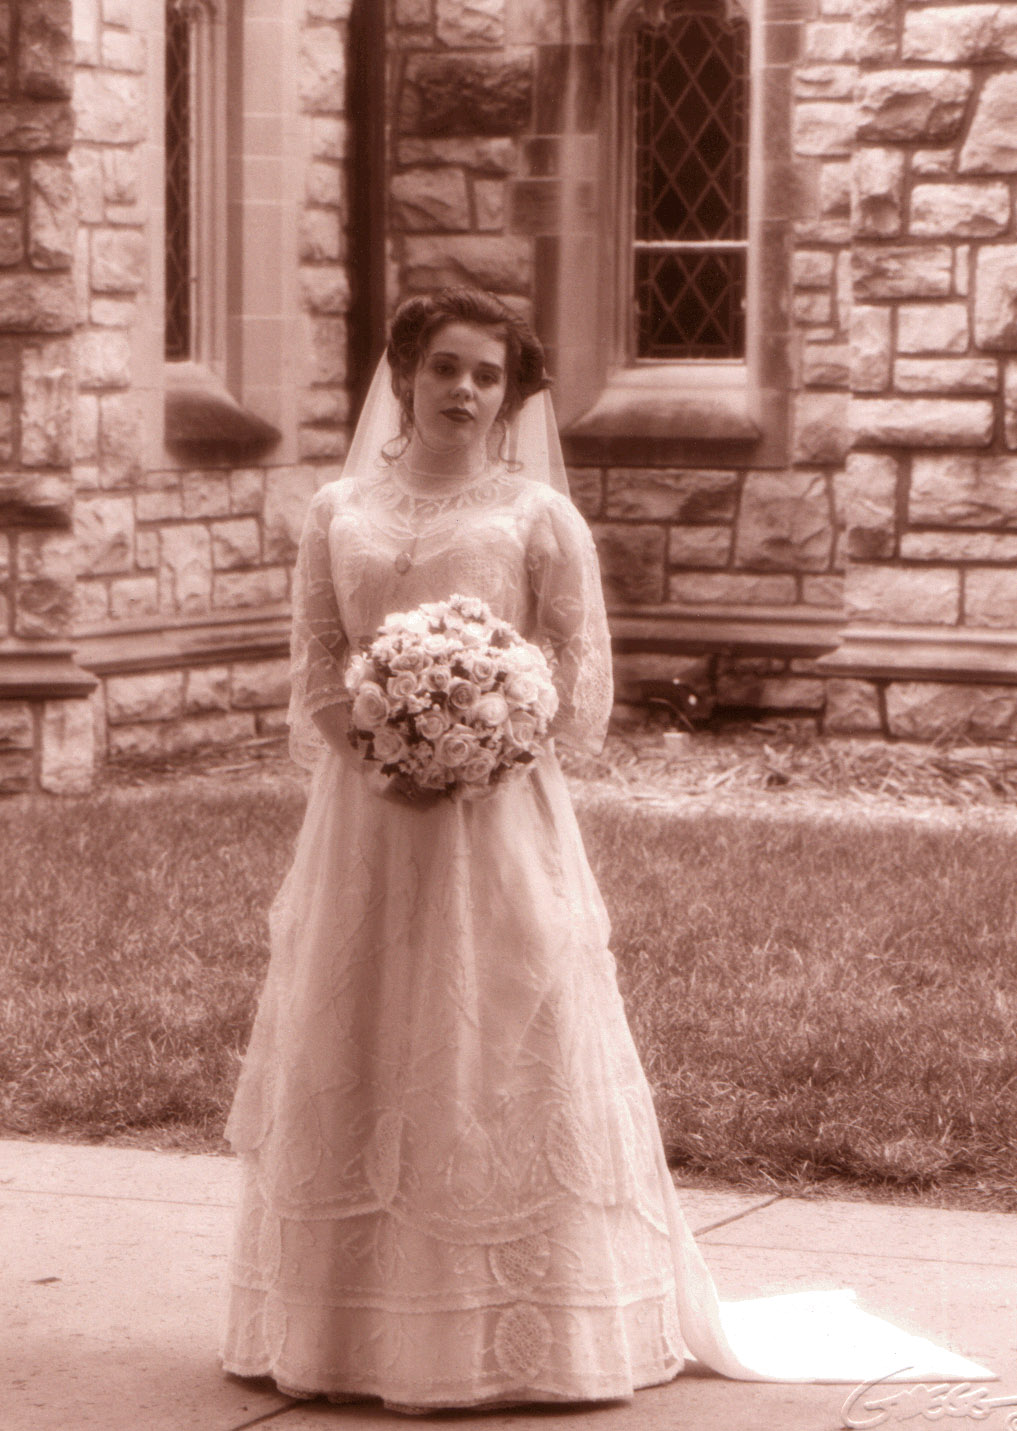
x,y
673,495
1010,403
45,49
902,271
475,94
812,268
67,756
824,81
952,210
699,546
178,736
153,695
932,328
120,51
912,106
118,261
37,303
265,587
327,346
51,214
207,688
875,30
27,127
826,365
876,191
959,547
501,262
159,506
12,241
946,375
586,488
923,422
489,204
112,312
823,128
146,548
990,597
867,503
632,561
811,307
246,491
44,598
103,359
318,443
825,591
15,773
235,542
15,726
959,490
784,522
821,427
110,108
991,145
430,199
47,405
461,24
10,184
870,348
260,683
730,588
132,597
996,296
932,163
40,498
326,289
934,710
120,439
852,707
288,492
205,494
104,532
329,137
185,568
322,81
902,596
955,34
91,604
321,238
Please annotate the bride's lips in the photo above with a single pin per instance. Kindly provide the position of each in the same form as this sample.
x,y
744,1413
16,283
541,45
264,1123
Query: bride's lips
x,y
457,414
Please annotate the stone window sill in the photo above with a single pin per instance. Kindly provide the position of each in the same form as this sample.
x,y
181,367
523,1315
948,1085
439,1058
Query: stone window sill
x,y
206,424
667,412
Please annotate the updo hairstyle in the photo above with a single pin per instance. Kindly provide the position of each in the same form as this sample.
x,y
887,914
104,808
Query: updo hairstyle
x,y
417,320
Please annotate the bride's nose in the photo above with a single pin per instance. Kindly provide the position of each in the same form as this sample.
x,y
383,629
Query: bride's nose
x,y
463,387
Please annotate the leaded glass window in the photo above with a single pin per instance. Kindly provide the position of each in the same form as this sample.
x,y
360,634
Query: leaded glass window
x,y
179,192
689,181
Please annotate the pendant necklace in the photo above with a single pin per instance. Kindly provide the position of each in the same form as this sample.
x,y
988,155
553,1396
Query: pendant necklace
x,y
404,560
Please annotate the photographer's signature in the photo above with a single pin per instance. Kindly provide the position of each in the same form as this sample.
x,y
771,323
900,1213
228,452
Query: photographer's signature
x,y
947,1400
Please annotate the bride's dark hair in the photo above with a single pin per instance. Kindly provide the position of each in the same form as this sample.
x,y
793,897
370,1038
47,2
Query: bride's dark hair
x,y
416,321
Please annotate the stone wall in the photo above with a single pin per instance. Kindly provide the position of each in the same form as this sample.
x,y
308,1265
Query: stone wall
x,y
181,603
45,726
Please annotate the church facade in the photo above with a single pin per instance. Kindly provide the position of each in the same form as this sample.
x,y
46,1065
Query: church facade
x,y
769,245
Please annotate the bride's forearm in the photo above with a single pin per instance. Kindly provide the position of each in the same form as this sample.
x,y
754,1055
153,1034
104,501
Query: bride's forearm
x,y
334,723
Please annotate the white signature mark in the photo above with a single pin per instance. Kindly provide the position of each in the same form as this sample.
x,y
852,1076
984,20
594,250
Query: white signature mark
x,y
957,1400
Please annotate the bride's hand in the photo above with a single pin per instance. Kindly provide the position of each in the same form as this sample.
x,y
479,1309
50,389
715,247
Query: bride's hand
x,y
403,792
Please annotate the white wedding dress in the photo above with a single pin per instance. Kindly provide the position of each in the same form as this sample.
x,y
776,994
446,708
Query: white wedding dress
x,y
454,1187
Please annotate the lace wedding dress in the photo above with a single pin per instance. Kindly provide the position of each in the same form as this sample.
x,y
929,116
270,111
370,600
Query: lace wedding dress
x,y
454,1186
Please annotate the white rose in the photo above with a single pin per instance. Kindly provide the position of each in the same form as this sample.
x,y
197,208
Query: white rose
x,y
403,686
478,769
389,746
455,747
491,709
430,724
371,707
462,696
521,687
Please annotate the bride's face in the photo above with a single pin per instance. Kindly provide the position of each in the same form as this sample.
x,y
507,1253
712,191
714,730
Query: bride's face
x,y
459,386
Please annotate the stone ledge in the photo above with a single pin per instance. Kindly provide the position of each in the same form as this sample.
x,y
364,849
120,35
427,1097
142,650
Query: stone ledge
x,y
257,633
771,631
41,673
957,654
205,423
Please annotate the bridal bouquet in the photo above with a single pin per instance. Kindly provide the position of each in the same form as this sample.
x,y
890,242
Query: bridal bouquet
x,y
450,700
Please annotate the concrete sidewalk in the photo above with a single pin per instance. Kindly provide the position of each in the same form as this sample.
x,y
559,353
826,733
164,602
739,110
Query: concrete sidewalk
x,y
113,1264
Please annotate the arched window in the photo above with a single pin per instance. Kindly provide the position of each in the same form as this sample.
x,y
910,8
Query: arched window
x,y
687,69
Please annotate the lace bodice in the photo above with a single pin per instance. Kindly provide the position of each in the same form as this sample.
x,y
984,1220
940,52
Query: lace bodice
x,y
373,544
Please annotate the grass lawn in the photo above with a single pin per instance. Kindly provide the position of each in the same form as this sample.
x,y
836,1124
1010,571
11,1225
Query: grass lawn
x,y
819,1002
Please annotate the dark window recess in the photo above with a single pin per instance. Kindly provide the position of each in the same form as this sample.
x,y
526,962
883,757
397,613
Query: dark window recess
x,y
179,118
690,180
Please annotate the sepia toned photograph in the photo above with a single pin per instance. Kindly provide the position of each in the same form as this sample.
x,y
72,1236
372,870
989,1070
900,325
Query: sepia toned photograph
x,y
508,714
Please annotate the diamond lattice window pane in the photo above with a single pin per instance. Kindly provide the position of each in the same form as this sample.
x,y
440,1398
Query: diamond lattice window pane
x,y
691,150
178,183
691,304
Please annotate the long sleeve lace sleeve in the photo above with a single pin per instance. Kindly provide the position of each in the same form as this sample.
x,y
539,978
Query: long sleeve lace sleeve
x,y
571,619
318,644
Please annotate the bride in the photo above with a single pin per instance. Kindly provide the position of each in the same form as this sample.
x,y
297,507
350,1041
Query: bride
x,y
454,1189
